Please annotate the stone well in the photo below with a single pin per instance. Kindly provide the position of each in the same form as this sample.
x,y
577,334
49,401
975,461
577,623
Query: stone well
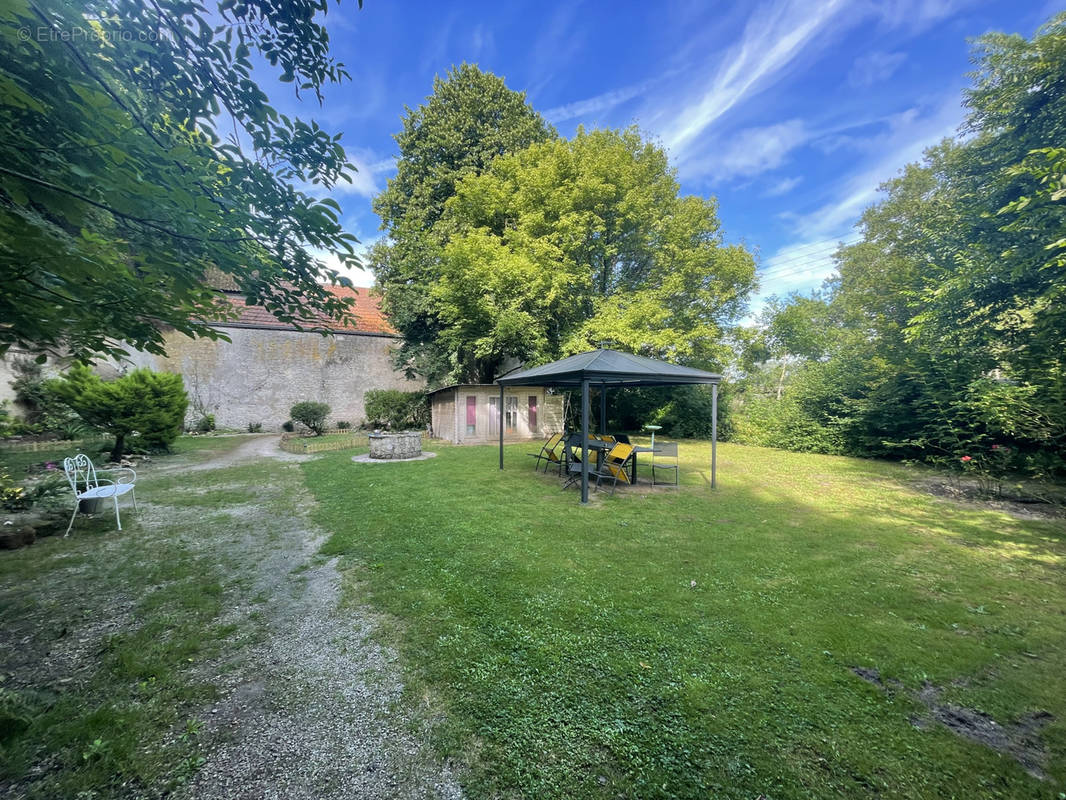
x,y
404,444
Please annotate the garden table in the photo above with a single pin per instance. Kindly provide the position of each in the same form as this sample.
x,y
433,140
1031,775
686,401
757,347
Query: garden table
x,y
636,450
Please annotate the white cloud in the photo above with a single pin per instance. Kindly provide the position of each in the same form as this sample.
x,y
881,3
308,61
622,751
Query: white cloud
x,y
915,15
909,137
359,277
596,105
874,67
749,152
783,186
775,35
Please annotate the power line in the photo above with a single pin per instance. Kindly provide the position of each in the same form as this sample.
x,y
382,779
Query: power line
x,y
825,250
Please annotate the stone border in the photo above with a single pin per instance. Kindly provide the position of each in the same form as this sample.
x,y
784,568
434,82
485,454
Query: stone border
x,y
366,459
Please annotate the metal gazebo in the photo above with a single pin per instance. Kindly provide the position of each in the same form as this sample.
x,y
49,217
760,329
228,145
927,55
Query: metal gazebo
x,y
611,368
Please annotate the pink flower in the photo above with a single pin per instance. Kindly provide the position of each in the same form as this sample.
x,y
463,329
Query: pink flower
x,y
995,447
964,459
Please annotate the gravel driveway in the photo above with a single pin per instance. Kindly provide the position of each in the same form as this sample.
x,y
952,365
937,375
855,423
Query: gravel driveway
x,y
313,709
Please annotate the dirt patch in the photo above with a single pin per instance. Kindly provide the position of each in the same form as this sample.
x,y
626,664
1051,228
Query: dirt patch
x,y
970,496
1019,739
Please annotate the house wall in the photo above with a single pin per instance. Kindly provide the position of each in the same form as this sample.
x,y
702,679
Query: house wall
x,y
261,373
449,412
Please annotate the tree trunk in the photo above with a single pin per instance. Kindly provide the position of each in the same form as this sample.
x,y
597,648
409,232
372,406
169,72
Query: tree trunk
x,y
119,448
781,380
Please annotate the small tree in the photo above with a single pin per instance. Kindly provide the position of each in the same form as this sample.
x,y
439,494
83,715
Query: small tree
x,y
149,404
313,415
396,409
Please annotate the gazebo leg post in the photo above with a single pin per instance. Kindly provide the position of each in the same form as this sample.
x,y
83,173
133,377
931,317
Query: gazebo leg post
x,y
714,435
499,424
584,442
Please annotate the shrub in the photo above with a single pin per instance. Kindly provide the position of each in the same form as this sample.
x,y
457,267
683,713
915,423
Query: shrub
x,y
288,426
150,405
343,425
42,409
312,415
396,410
255,427
205,424
12,496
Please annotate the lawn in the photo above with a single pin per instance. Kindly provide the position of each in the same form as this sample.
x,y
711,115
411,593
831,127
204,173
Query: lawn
x,y
701,643
110,639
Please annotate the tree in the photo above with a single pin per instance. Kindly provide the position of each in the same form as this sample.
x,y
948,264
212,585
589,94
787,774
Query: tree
x,y
949,315
137,154
568,244
149,404
470,119
312,415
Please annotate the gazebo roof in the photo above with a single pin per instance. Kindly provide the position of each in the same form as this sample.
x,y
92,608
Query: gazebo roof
x,y
610,368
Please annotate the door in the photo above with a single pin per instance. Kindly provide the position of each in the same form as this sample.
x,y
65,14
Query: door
x,y
533,415
471,415
510,419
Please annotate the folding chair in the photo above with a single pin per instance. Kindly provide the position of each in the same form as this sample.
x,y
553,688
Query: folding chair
x,y
572,451
614,466
547,454
665,450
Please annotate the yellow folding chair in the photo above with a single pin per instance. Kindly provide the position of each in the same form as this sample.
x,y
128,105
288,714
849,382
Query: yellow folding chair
x,y
548,453
614,467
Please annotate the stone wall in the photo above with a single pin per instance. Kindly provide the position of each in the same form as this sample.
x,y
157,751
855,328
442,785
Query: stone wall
x,y
262,373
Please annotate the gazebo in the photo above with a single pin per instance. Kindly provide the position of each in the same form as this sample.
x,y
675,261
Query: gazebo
x,y
611,368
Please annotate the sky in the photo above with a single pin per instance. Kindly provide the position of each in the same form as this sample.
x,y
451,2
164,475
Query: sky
x,y
790,113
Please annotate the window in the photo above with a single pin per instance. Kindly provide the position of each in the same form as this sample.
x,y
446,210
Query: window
x,y
510,419
471,415
494,416
532,413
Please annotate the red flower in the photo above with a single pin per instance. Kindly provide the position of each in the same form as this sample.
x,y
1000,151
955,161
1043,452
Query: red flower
x,y
966,458
995,447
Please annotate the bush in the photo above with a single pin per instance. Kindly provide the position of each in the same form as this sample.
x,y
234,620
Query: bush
x,y
150,405
43,411
255,427
343,425
312,415
205,424
396,410
288,426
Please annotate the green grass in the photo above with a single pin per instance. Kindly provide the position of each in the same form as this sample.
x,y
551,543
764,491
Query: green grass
x,y
138,613
574,657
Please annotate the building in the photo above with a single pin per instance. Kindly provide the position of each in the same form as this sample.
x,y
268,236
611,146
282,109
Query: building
x,y
470,413
268,366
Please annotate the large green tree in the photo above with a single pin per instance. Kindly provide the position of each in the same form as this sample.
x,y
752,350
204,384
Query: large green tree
x,y
470,119
569,244
951,333
138,153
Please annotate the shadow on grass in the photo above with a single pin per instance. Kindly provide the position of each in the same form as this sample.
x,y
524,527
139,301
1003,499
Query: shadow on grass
x,y
662,644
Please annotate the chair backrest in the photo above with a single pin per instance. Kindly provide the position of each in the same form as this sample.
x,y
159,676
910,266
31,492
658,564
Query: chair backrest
x,y
621,437
616,460
666,450
80,472
551,446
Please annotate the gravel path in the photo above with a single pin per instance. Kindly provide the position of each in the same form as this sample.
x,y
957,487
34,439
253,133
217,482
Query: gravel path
x,y
312,709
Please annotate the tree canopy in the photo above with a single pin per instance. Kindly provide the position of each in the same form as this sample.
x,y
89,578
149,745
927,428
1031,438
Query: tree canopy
x,y
948,327
568,244
137,153
506,242
470,119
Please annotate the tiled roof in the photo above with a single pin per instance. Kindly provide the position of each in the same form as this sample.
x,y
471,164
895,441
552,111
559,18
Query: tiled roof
x,y
366,308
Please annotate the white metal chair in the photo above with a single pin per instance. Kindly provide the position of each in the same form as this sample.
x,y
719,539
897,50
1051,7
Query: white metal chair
x,y
81,474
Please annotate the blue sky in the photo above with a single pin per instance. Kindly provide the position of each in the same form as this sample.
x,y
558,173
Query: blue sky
x,y
791,113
